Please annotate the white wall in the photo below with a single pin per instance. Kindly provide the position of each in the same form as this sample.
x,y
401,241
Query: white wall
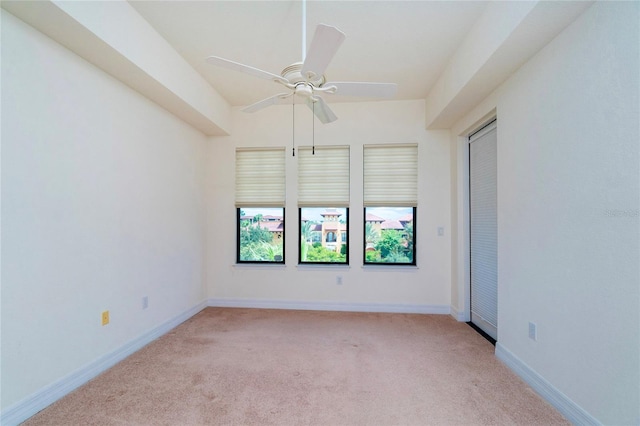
x,y
423,288
568,211
102,204
106,198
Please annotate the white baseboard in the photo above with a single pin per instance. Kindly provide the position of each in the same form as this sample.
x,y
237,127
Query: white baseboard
x,y
329,306
22,410
572,411
458,316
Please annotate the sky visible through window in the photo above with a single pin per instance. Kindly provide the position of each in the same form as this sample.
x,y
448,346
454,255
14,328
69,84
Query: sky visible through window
x,y
265,211
390,213
314,213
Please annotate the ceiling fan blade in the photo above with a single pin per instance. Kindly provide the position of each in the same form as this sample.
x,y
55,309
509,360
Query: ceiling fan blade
x,y
225,63
321,110
324,46
376,90
273,100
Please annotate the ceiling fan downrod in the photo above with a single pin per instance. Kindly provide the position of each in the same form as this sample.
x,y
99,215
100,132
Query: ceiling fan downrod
x,y
304,30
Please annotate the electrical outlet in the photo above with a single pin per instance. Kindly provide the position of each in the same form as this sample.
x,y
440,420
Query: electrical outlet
x,y
440,231
533,331
145,302
105,318
339,279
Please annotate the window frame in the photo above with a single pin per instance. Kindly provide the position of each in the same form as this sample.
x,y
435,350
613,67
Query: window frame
x,y
364,240
238,240
338,240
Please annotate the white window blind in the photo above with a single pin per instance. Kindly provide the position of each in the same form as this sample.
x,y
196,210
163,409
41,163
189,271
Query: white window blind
x,y
323,177
260,177
391,175
483,201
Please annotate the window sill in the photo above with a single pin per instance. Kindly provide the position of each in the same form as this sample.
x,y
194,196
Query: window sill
x,y
258,265
326,266
395,268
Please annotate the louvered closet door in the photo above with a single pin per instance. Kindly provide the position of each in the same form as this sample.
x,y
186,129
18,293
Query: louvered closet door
x,y
484,229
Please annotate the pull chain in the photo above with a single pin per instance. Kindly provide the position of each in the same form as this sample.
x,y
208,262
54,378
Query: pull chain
x,y
293,138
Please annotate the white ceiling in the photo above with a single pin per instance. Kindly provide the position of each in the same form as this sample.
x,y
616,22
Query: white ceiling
x,y
451,54
404,42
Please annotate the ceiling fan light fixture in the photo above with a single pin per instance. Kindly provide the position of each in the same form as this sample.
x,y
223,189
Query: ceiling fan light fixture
x,y
304,90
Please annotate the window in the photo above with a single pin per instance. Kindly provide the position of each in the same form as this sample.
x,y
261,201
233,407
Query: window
x,y
323,235
260,198
261,234
390,200
389,235
323,201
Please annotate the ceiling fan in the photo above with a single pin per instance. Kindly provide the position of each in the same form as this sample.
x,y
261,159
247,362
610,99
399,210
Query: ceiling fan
x,y
306,79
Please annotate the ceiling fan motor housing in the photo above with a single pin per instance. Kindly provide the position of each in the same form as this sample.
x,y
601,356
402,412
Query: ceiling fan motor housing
x,y
294,76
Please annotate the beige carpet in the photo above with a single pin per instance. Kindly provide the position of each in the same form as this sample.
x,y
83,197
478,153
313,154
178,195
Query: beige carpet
x,y
276,367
